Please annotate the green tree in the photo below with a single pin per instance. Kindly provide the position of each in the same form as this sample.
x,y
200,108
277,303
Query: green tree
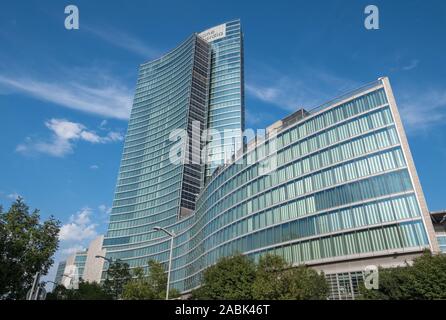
x,y
305,284
92,291
138,288
60,293
277,280
237,277
118,275
86,291
425,279
26,247
149,287
230,279
158,279
269,283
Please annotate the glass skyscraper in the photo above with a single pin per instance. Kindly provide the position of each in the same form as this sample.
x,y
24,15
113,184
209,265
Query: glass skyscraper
x,y
343,192
226,99
59,273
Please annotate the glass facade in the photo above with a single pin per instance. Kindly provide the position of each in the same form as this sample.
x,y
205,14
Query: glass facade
x,y
171,94
342,189
442,242
59,273
226,99
79,261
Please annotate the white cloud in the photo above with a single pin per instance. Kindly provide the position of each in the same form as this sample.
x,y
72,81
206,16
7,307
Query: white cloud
x,y
90,137
412,65
13,196
105,209
103,96
75,235
71,250
123,40
290,93
422,110
82,217
94,167
79,228
113,136
64,133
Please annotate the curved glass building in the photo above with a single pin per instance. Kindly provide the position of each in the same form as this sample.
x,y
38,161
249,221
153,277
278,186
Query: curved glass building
x,y
226,111
334,188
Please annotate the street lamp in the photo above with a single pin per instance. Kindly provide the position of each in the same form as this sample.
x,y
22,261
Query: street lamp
x,y
171,234
110,262
55,284
72,284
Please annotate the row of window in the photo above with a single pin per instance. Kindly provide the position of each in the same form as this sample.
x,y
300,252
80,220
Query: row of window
x,y
380,162
363,190
388,238
231,193
376,212
384,161
293,135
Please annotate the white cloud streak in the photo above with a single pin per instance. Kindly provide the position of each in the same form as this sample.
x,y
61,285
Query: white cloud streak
x,y
291,93
72,250
412,65
13,196
104,209
423,110
109,98
64,135
123,40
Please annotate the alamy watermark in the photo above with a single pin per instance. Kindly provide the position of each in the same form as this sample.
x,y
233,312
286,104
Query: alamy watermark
x,y
222,147
371,22
72,20
70,278
371,277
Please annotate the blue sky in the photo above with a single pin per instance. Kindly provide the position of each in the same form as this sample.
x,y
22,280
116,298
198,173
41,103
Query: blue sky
x,y
65,95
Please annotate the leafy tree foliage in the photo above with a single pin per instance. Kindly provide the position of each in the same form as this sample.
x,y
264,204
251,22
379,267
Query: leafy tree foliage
x,y
148,287
138,288
425,279
305,284
277,280
26,247
269,283
237,277
86,291
118,275
60,293
230,279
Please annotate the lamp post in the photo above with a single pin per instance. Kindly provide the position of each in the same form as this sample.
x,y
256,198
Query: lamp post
x,y
171,234
109,260
72,278
118,287
55,284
